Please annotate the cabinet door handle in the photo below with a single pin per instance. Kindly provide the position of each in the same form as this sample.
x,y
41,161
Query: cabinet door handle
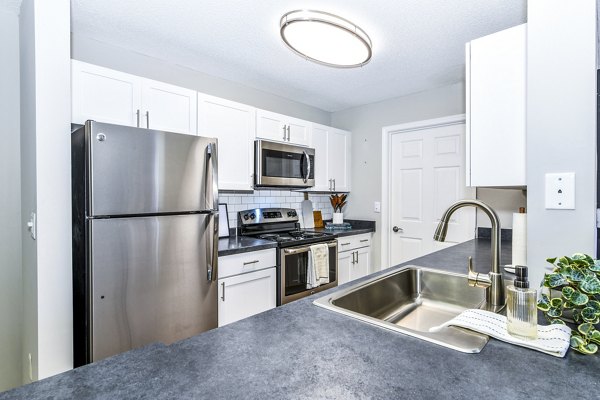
x,y
148,119
284,133
334,184
250,262
364,240
288,130
330,184
223,296
137,117
353,260
345,244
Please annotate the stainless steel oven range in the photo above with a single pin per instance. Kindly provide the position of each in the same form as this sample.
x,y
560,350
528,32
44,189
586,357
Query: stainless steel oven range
x,y
293,245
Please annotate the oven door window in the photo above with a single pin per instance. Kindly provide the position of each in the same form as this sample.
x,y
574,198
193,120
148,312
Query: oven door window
x,y
282,164
295,271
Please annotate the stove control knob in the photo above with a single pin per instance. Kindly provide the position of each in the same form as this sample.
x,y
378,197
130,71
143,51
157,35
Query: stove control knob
x,y
245,217
252,216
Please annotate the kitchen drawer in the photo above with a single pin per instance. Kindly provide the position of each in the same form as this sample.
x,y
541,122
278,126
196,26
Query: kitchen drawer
x,y
246,262
346,243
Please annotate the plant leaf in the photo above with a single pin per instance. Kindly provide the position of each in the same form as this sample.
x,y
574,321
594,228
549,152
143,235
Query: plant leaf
x,y
579,298
556,302
591,284
594,336
576,341
588,314
551,260
554,312
582,257
577,316
567,292
575,275
589,348
555,280
595,304
595,266
568,304
557,321
544,303
585,328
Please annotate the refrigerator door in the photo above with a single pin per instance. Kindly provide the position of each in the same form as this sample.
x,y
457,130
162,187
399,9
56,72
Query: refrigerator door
x,y
142,171
150,281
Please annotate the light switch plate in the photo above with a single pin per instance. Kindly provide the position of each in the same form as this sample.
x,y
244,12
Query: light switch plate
x,y
377,207
560,191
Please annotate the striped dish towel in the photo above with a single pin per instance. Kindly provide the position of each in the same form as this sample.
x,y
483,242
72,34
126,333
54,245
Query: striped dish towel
x,y
552,339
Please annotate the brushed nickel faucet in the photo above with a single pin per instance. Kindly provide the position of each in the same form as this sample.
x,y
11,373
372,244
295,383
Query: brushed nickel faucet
x,y
493,281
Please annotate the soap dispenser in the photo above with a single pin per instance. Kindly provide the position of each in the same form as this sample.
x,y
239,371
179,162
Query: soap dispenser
x,y
521,307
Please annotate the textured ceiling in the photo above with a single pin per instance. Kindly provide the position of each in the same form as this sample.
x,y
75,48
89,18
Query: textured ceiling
x,y
417,44
12,6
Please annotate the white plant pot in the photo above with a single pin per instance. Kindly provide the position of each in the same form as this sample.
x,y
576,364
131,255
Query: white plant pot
x,y
338,218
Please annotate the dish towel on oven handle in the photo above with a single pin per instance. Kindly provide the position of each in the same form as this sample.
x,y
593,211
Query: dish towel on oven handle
x,y
318,266
552,339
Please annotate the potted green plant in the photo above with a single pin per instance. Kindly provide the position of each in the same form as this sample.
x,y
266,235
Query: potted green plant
x,y
574,296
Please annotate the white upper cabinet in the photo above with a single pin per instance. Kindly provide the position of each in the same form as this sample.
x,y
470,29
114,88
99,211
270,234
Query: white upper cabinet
x,y
105,95
496,118
281,128
332,158
233,124
168,108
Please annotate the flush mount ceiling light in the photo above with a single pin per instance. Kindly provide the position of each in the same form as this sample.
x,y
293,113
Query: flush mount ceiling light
x,y
325,38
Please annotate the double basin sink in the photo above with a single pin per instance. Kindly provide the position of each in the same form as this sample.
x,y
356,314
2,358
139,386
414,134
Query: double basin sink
x,y
412,301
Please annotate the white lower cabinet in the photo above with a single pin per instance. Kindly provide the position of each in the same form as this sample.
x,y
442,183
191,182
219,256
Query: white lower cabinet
x,y
244,295
247,285
354,257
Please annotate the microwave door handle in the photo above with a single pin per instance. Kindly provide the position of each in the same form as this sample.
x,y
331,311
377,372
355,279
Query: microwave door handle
x,y
307,158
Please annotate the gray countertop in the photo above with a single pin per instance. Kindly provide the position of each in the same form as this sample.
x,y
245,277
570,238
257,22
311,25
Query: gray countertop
x,y
302,351
242,244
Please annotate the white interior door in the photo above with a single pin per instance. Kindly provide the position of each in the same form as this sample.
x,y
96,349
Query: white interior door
x,y
426,175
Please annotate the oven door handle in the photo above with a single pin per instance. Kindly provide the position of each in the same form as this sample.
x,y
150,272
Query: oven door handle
x,y
305,249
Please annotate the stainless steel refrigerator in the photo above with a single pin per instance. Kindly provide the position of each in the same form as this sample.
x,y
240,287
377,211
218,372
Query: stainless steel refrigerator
x,y
145,238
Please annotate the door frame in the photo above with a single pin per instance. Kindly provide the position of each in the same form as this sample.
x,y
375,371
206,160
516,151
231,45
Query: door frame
x,y
386,134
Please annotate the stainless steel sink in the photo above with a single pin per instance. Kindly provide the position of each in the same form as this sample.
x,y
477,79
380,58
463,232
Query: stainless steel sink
x,y
412,301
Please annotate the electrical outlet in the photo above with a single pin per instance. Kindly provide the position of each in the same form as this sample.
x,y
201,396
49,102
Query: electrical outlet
x,y
377,207
560,191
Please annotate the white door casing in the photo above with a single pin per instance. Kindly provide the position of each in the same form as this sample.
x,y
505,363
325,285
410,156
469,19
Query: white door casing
x,y
423,173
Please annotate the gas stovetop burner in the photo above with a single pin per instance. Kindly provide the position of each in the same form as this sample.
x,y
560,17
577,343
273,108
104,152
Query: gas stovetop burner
x,y
292,236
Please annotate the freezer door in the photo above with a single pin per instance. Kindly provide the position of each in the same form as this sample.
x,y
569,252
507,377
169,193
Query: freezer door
x,y
142,171
150,281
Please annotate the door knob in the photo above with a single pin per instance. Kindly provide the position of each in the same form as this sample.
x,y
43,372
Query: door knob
x,y
396,229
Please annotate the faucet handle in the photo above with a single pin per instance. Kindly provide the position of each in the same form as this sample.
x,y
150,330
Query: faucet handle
x,y
477,279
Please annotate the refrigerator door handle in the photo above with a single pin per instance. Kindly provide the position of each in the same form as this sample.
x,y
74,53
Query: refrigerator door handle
x,y
212,252
212,153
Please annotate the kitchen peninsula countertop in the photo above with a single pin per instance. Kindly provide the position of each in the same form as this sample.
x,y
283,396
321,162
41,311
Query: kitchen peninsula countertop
x,y
301,351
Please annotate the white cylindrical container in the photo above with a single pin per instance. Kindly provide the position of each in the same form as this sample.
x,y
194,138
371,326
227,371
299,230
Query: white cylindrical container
x,y
519,238
338,218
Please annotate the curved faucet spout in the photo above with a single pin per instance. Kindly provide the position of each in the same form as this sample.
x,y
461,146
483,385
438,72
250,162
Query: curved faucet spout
x,y
495,291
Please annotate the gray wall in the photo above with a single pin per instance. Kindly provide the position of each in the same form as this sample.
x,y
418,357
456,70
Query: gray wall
x,y
11,292
366,123
110,56
561,125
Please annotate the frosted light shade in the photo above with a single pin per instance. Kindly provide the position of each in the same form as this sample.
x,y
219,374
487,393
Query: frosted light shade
x,y
325,38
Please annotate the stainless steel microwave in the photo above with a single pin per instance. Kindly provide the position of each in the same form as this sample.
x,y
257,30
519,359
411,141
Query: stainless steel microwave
x,y
283,165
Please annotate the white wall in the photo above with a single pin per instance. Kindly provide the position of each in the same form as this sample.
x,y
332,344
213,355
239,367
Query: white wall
x,y
366,123
46,186
561,125
11,291
110,56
